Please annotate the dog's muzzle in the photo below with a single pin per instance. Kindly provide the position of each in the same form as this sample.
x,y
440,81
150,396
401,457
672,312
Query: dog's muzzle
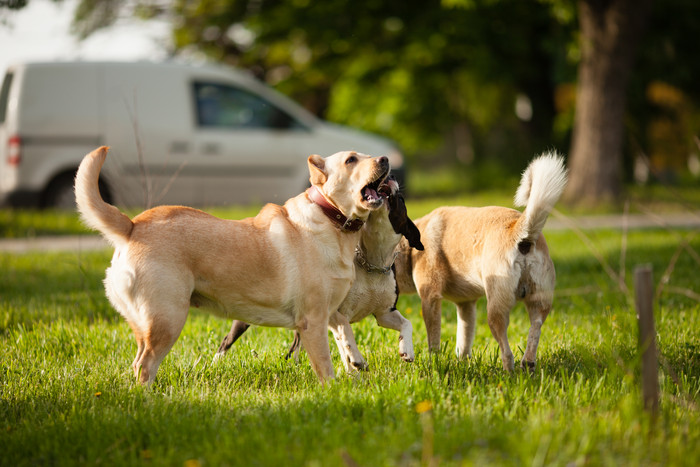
x,y
371,192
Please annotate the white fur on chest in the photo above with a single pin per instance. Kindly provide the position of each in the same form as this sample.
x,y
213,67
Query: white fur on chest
x,y
371,293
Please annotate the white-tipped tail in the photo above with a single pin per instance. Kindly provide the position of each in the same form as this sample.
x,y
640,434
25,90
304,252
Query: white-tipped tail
x,y
541,186
114,225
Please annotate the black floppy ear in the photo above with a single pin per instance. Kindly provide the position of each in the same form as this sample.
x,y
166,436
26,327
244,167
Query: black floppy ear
x,y
398,216
412,234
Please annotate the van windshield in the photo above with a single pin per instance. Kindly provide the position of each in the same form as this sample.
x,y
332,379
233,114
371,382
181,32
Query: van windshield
x,y
5,96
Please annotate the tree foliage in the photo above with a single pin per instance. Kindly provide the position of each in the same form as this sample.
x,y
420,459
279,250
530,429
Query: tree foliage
x,y
443,77
416,71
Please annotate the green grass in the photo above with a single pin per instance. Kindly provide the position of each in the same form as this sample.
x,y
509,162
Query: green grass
x,y
67,395
16,223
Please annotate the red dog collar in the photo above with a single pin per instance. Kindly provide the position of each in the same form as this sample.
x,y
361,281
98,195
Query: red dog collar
x,y
345,224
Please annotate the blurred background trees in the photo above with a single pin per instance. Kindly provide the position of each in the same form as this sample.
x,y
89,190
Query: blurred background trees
x,y
471,86
441,78
609,34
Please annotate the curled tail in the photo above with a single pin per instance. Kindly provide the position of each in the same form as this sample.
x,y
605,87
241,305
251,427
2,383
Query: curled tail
x,y
540,187
114,225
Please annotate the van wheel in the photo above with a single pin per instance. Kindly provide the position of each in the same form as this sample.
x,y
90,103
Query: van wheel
x,y
61,195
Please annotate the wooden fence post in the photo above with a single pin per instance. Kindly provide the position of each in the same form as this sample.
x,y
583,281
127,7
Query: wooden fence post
x,y
644,297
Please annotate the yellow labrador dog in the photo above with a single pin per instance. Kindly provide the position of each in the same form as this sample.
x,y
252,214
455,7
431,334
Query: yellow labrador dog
x,y
492,251
289,266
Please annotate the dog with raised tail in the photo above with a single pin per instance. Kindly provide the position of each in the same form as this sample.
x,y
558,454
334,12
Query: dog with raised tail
x,y
493,251
374,289
290,266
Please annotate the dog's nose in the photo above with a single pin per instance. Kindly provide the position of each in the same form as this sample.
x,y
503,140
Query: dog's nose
x,y
383,161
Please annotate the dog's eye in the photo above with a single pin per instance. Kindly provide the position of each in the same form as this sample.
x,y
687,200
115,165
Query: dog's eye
x,y
350,160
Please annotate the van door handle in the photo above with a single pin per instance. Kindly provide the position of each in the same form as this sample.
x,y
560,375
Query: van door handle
x,y
179,147
211,149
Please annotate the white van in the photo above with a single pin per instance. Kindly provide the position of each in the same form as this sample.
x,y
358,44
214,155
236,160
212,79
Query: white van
x,y
178,134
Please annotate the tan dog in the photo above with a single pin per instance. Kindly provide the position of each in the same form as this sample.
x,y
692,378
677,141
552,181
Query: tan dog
x,y
290,266
492,251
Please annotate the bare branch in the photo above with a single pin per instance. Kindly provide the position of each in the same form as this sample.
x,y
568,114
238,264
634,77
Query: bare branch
x,y
165,190
683,291
566,220
577,291
667,273
146,181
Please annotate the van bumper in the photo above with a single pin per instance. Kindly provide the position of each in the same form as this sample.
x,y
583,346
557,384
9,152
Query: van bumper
x,y
20,199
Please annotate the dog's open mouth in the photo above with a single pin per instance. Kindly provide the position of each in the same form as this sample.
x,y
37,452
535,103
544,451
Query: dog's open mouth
x,y
373,192
388,187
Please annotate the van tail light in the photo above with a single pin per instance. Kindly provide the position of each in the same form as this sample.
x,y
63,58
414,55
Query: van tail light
x,y
14,153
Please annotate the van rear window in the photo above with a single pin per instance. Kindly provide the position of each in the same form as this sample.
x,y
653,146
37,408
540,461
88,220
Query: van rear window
x,y
5,96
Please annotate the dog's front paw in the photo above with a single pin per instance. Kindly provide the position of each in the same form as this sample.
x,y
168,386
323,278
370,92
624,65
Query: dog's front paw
x,y
508,362
360,366
217,357
406,347
356,365
529,366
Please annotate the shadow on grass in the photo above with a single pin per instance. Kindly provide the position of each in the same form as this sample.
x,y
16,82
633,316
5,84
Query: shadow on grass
x,y
43,287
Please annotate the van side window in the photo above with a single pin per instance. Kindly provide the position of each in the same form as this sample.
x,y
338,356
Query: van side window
x,y
224,106
5,96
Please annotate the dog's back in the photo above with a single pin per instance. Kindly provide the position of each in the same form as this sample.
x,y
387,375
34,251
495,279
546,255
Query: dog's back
x,y
465,245
461,245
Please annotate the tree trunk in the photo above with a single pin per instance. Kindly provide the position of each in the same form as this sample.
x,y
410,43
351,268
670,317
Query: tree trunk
x,y
610,31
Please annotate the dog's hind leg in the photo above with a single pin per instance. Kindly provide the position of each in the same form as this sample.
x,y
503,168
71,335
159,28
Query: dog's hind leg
x,y
158,340
141,344
538,311
237,330
498,312
314,338
466,328
541,279
119,287
431,305
157,320
294,348
345,339
392,319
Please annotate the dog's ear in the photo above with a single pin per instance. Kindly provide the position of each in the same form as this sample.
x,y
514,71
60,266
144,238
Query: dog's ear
x,y
317,170
412,234
398,216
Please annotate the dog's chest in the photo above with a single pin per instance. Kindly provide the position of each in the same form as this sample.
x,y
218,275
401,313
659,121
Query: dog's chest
x,y
336,253
370,293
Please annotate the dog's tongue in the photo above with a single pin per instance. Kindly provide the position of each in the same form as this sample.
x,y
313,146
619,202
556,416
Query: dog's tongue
x,y
371,194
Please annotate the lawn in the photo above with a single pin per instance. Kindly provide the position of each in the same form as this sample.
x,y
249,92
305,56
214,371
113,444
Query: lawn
x,y
67,394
